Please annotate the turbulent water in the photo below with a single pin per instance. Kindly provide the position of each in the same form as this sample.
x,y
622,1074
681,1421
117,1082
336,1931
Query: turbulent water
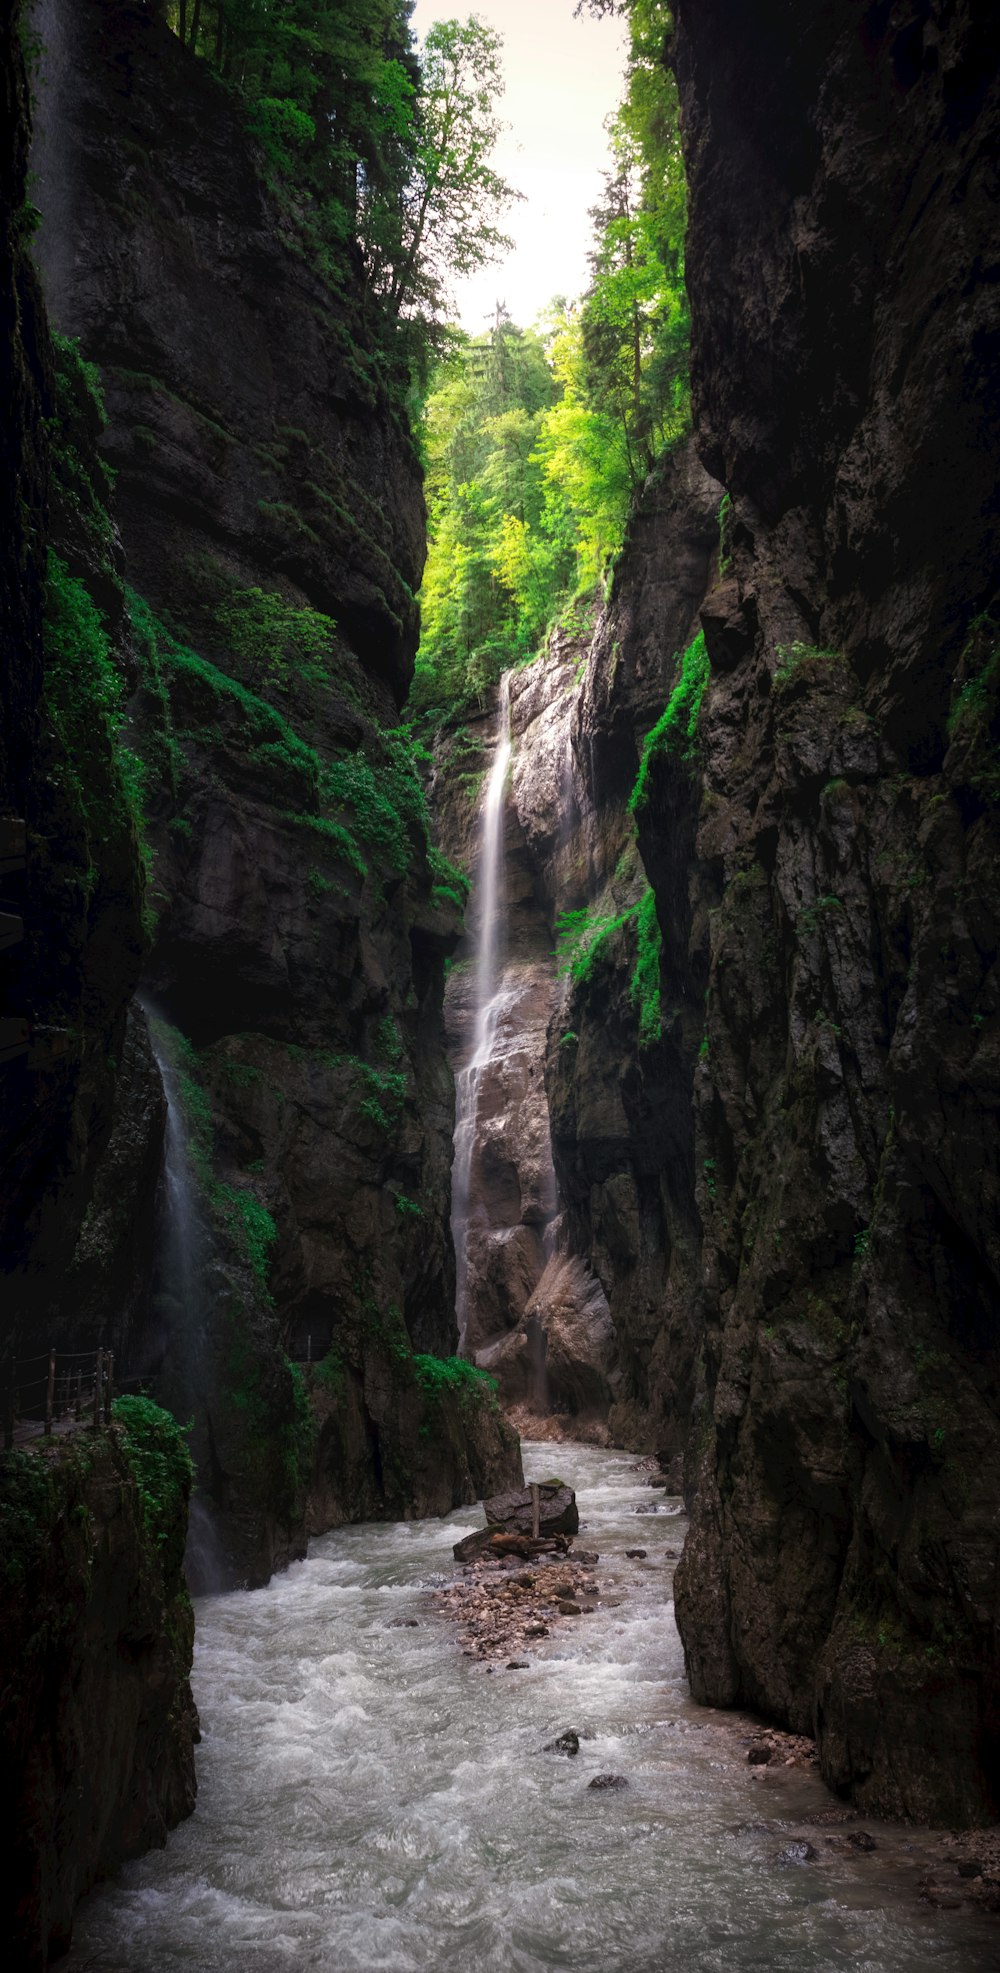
x,y
371,1798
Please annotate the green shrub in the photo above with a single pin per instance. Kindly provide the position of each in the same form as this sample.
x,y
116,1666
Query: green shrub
x,y
451,1376
644,986
277,638
675,730
154,1445
581,936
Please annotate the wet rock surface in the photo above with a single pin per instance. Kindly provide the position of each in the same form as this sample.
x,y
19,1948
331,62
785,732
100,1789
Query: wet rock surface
x,y
552,1503
789,1196
844,897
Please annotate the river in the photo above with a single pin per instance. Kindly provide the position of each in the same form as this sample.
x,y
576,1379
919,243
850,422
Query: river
x,y
371,1798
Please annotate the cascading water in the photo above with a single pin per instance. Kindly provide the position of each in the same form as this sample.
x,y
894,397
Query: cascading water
x,y
182,1273
487,996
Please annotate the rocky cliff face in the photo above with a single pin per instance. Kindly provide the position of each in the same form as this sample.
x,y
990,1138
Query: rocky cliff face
x,y
537,1317
270,507
72,938
97,1722
810,1221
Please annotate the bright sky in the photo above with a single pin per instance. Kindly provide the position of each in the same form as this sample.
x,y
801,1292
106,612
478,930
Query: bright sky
x,y
563,78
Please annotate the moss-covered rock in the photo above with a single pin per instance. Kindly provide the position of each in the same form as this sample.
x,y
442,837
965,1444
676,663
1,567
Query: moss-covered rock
x,y
97,1722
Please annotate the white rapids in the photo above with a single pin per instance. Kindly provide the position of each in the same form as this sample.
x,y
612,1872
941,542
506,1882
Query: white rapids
x,y
370,1798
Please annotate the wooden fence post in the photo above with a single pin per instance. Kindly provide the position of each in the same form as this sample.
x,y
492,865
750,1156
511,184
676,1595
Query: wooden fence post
x,y
109,1378
8,1404
536,1511
98,1375
50,1389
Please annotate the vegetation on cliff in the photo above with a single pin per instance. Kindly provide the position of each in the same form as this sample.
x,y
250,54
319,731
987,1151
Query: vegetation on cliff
x,y
538,440
377,150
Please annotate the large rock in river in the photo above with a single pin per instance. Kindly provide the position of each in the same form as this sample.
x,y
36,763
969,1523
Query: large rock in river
x,y
512,1511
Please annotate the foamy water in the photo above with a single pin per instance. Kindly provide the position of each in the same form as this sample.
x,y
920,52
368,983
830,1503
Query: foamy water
x,y
371,1798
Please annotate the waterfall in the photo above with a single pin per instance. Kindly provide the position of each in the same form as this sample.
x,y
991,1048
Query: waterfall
x,y
182,1301
487,995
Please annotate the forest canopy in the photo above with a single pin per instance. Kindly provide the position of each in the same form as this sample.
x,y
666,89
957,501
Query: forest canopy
x,y
538,439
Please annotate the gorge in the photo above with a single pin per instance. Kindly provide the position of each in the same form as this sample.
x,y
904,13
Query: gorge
x,y
717,1206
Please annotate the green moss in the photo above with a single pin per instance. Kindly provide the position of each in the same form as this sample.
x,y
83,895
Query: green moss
x,y
808,920
452,1376
388,1040
380,786
277,639
408,1208
154,1446
448,878
83,700
384,1093
197,697
331,1373
82,481
644,986
796,658
676,729
250,1226
339,838
236,1209
581,936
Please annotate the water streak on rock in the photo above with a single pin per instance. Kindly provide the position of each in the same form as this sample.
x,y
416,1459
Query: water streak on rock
x,y
489,947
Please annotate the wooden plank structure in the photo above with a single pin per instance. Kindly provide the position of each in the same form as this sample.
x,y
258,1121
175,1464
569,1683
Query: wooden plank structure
x,y
54,1389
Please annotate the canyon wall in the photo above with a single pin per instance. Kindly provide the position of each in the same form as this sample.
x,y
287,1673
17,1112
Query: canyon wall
x,y
270,507
97,1721
797,1229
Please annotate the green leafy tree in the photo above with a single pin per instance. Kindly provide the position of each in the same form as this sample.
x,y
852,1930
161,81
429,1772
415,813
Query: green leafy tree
x,y
453,195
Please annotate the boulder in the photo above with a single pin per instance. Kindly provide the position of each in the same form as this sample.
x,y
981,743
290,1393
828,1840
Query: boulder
x,y
566,1743
512,1511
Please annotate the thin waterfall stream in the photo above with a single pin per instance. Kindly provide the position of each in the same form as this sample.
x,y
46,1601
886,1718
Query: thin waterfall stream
x,y
370,1798
183,1296
487,994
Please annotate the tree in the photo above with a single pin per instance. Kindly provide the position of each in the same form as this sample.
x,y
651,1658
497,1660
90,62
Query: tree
x,y
453,197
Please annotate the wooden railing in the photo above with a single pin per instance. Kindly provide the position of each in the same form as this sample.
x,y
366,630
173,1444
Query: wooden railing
x,y
57,1388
